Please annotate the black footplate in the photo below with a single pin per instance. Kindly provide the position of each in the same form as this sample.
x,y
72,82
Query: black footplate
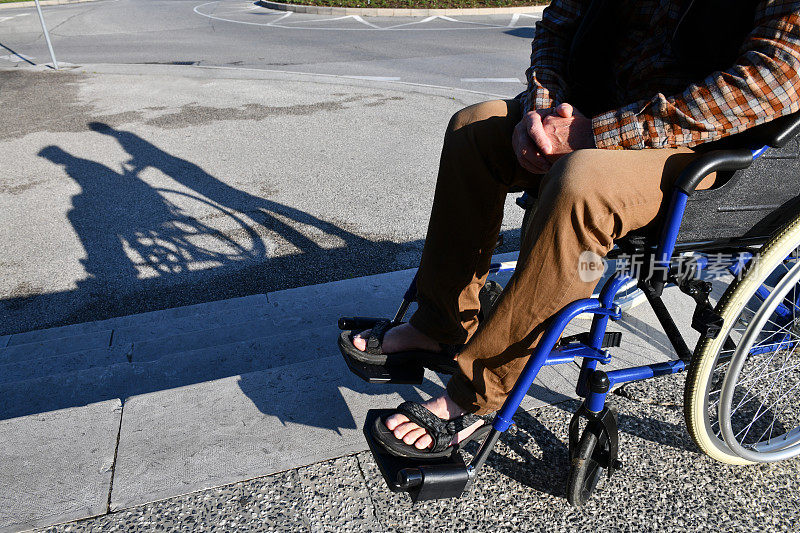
x,y
431,479
409,374
611,339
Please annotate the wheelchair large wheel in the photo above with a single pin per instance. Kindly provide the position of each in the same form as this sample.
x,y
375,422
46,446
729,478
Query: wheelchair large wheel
x,y
742,396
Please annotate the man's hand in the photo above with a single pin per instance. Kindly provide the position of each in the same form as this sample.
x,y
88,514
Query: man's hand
x,y
566,130
545,135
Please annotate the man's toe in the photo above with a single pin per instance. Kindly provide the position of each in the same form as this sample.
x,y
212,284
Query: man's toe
x,y
423,442
403,429
412,436
360,340
395,420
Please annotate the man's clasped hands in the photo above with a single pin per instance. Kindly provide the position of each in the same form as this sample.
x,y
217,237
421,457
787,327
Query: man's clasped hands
x,y
545,135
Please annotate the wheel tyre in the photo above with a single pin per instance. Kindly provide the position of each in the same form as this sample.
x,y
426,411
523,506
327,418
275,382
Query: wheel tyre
x,y
586,472
704,361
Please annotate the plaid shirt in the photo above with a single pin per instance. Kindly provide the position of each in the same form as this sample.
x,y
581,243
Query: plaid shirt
x,y
660,107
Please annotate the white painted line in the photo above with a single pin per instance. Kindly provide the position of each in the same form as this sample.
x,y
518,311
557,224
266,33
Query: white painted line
x,y
359,19
237,21
288,14
375,78
16,58
343,17
423,21
338,76
3,19
514,19
463,24
490,80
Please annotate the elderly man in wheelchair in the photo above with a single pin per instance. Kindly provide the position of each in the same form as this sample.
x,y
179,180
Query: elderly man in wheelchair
x,y
649,127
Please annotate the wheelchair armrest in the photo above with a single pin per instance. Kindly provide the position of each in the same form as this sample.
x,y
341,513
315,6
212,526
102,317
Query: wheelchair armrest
x,y
775,133
713,161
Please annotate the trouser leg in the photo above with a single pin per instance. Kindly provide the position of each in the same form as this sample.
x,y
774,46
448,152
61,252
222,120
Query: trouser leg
x,y
588,199
476,170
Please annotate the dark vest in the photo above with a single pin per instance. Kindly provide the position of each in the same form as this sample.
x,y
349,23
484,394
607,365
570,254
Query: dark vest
x,y
707,38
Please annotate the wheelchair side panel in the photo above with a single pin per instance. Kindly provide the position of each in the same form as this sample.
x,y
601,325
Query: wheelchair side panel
x,y
752,203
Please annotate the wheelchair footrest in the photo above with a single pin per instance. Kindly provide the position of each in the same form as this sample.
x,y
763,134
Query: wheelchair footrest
x,y
432,479
612,339
409,374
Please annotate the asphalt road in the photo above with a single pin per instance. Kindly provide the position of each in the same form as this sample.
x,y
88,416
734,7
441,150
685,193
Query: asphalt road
x,y
488,53
53,278
139,187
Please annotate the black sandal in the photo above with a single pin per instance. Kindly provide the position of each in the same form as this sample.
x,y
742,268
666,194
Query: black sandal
x,y
441,431
443,361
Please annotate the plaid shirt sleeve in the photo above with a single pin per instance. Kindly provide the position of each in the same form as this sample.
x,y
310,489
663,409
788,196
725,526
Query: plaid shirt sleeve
x,y
761,86
549,51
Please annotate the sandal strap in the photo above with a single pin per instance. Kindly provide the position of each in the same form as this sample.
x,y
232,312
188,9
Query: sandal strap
x,y
432,424
375,340
440,430
462,422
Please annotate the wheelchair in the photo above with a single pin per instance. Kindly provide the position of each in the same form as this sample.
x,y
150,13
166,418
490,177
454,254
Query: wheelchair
x,y
742,393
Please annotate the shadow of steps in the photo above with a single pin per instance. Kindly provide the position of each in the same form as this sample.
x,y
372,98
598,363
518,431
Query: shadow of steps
x,y
137,320
276,321
57,346
70,383
64,363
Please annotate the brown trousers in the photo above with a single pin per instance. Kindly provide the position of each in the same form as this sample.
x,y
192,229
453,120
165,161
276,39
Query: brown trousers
x,y
587,200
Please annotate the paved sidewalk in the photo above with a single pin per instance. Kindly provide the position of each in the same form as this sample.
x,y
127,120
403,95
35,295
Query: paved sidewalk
x,y
666,485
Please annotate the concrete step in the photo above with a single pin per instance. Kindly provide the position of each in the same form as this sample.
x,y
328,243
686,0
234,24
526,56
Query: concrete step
x,y
208,308
64,363
57,346
184,439
290,310
110,375
245,340
149,330
276,322
57,466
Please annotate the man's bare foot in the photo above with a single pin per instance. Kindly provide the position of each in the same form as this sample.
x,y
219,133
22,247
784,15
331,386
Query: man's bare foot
x,y
399,339
412,434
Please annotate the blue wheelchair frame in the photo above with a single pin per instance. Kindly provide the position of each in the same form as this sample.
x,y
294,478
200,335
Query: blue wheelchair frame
x,y
603,309
449,477
593,384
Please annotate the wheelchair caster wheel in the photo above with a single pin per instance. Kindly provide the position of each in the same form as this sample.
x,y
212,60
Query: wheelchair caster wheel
x,y
587,471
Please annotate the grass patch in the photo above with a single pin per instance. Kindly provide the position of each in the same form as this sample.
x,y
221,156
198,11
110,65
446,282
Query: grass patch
x,y
417,4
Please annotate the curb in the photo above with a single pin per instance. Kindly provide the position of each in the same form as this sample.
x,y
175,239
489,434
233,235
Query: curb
x,y
386,12
43,3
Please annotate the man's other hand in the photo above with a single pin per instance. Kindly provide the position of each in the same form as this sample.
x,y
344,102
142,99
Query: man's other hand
x,y
544,135
567,130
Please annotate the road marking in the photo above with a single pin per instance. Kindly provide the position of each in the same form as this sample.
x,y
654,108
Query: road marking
x,y
16,58
463,24
339,76
490,80
517,16
375,78
3,19
371,25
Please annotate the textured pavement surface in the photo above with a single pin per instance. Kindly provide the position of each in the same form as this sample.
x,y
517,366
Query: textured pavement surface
x,y
666,485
